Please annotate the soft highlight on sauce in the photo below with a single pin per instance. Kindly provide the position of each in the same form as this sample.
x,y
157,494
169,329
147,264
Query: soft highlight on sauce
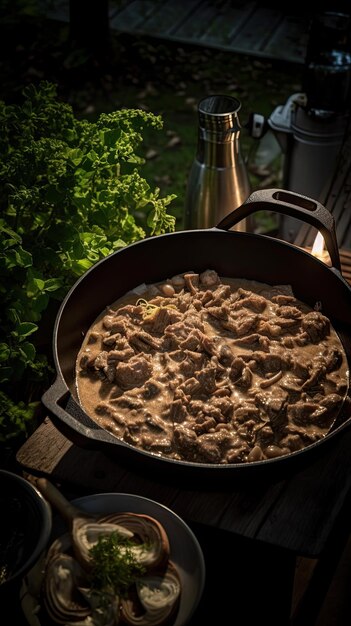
x,y
210,369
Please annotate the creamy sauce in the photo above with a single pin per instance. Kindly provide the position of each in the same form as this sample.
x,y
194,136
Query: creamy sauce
x,y
202,372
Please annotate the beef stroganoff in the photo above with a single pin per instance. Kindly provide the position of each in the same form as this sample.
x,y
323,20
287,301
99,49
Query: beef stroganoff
x,y
208,369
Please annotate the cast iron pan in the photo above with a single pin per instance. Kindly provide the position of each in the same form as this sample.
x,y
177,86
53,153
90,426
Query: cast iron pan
x,y
230,253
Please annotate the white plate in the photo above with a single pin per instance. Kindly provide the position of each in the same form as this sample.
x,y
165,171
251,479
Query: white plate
x,y
186,552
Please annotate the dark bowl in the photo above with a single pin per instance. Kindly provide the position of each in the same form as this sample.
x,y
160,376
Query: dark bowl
x,y
25,527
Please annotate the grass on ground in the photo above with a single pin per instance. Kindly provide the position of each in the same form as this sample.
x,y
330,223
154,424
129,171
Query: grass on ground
x,y
162,77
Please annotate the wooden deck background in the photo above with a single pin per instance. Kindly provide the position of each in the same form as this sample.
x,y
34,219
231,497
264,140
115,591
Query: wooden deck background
x,y
277,31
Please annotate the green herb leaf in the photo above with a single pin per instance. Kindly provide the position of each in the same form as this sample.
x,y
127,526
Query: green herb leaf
x,y
26,328
69,197
114,566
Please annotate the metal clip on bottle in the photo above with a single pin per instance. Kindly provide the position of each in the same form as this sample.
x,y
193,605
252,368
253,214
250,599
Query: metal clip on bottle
x,y
218,180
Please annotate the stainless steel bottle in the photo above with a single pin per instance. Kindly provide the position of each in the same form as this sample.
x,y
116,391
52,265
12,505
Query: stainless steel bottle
x,y
218,180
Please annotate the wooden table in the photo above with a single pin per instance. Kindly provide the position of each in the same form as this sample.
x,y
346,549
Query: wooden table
x,y
257,526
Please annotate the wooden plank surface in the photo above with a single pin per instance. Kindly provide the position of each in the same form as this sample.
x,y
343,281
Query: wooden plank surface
x,y
227,23
248,28
296,512
257,30
48,452
131,16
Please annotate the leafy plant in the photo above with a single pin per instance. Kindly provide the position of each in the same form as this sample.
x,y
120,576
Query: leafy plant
x,y
71,193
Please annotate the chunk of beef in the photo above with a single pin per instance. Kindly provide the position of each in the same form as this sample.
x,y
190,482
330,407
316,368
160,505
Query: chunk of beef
x,y
274,450
308,434
192,341
300,369
224,405
250,300
209,344
317,373
229,324
218,312
108,320
219,296
275,407
265,436
211,446
305,412
292,385
197,358
155,424
180,330
269,329
191,363
185,442
154,443
205,297
245,412
289,312
290,325
190,386
249,340
151,389
117,324
205,425
120,355
292,440
236,368
283,300
245,380
176,411
195,407
288,342
143,341
135,372
246,324
332,402
187,367
100,361
182,301
134,311
127,402
333,359
316,325
207,379
237,453
161,317
264,344
210,410
115,340
225,355
177,355
269,362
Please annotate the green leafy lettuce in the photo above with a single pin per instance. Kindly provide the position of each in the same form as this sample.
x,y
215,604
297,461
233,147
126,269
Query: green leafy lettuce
x,y
71,193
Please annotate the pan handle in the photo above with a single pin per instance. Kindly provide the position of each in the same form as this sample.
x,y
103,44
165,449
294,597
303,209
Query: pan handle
x,y
294,205
60,403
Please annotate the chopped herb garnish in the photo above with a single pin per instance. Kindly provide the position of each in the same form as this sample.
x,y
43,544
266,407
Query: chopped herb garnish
x,y
115,567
